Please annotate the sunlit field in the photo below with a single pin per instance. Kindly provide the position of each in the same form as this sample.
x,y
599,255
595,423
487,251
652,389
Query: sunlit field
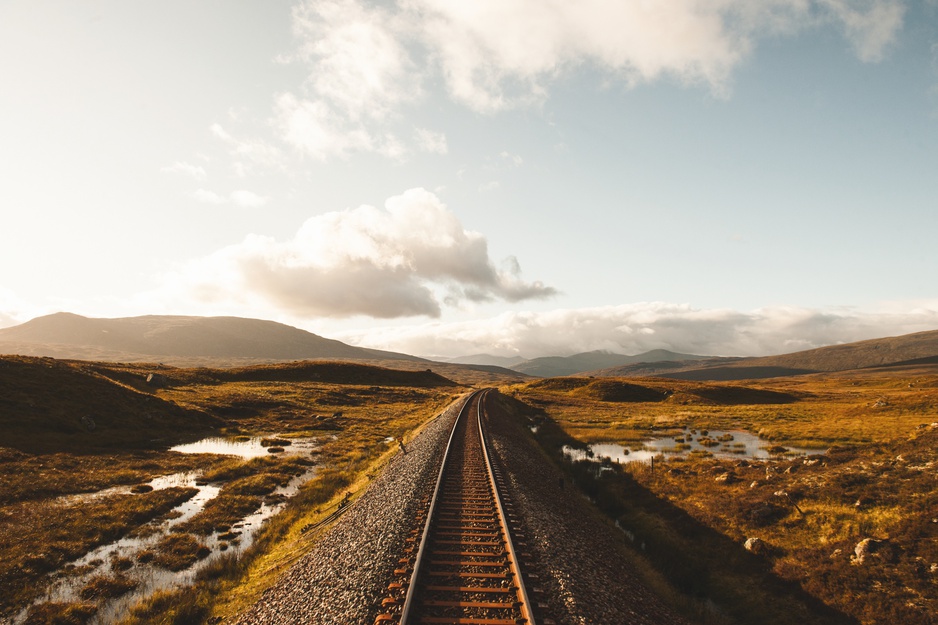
x,y
86,442
848,534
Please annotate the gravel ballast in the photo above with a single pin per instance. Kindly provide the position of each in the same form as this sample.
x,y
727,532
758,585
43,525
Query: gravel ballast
x,y
579,557
345,576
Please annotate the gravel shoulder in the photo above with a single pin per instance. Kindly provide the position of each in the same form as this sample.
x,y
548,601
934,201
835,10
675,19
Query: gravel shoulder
x,y
344,578
579,558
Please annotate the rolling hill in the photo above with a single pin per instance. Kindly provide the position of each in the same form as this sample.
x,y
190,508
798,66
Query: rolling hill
x,y
920,349
176,339
553,366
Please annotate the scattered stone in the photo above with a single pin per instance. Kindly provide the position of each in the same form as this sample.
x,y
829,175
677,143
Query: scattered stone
x,y
156,380
89,423
756,545
869,547
725,478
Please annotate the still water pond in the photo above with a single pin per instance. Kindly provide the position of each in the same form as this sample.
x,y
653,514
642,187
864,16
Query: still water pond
x,y
253,447
718,443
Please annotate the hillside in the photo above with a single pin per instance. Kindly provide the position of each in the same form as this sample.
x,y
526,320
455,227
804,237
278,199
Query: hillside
x,y
553,366
920,348
47,405
176,339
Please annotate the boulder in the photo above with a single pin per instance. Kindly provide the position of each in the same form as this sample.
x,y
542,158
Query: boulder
x,y
756,545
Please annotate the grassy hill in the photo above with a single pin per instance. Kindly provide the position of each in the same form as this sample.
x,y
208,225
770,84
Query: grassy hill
x,y
47,405
176,339
552,366
919,349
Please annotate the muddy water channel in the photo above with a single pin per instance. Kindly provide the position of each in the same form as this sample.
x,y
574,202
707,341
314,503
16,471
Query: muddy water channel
x,y
701,443
131,557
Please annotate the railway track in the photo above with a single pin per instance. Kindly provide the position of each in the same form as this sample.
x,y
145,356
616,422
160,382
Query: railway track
x,y
461,565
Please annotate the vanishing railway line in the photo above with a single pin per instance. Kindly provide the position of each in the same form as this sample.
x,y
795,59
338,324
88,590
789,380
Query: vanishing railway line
x,y
461,565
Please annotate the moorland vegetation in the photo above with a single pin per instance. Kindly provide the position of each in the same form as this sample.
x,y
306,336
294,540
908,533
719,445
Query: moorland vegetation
x,y
848,535
83,440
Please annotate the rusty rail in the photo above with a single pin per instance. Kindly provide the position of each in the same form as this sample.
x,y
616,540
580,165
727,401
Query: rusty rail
x,y
465,569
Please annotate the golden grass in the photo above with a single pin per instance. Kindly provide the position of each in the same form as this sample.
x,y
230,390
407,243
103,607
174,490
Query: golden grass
x,y
350,421
875,481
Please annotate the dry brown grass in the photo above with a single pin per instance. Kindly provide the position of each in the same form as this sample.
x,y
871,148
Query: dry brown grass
x,y
878,480
351,410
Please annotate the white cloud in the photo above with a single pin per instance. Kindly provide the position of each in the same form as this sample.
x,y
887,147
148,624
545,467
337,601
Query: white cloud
x,y
368,62
180,167
870,25
251,150
406,259
314,128
637,328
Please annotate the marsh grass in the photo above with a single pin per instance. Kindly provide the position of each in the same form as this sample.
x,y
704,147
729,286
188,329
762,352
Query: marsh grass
x,y
59,613
350,410
875,481
38,538
177,552
106,587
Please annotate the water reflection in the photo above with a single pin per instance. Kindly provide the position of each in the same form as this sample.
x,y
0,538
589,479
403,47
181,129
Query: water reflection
x,y
716,443
247,448
120,556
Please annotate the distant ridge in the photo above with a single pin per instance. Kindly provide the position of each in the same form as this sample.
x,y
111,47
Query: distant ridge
x,y
485,359
920,348
554,366
174,338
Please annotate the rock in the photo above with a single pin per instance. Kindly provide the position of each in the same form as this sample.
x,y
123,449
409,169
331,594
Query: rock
x,y
756,545
725,478
156,380
869,547
89,423
754,484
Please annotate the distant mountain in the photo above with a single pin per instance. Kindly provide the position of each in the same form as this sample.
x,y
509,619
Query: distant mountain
x,y
919,348
485,359
175,339
554,366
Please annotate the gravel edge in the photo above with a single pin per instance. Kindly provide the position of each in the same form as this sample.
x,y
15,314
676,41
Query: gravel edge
x,y
344,577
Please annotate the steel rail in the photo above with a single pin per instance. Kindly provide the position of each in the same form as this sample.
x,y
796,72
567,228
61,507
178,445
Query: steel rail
x,y
411,600
512,552
418,560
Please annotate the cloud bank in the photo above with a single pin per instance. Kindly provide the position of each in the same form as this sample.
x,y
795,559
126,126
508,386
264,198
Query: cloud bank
x,y
637,328
367,62
408,259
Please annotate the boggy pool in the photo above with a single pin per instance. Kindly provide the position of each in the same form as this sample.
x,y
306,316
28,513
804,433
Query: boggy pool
x,y
715,443
67,584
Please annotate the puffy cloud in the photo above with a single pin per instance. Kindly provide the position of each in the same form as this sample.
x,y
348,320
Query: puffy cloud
x,y
180,167
367,60
313,127
404,260
637,328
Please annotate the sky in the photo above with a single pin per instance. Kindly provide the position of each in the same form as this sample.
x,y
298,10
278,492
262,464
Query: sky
x,y
511,177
